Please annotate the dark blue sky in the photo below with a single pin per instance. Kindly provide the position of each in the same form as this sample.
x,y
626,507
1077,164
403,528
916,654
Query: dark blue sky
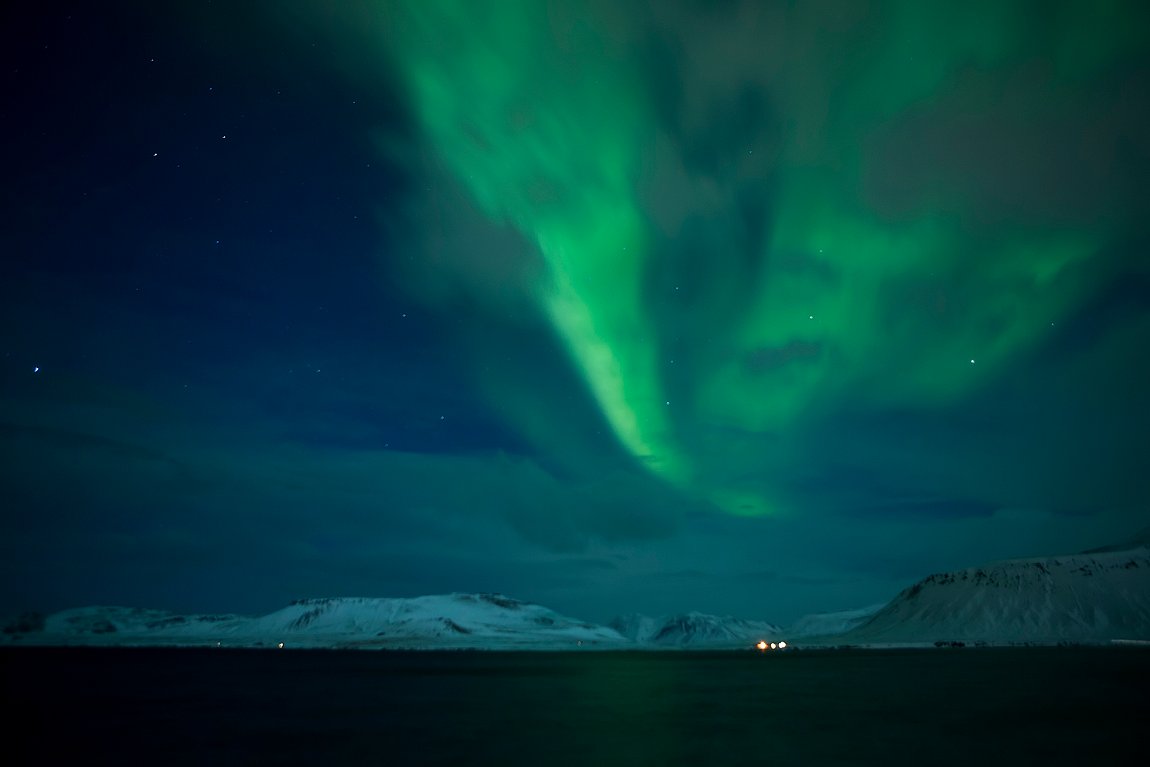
x,y
267,333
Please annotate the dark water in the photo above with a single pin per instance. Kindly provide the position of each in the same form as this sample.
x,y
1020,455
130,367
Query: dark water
x,y
233,707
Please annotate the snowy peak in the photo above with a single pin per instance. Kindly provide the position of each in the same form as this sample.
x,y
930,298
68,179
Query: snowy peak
x,y
1080,598
693,630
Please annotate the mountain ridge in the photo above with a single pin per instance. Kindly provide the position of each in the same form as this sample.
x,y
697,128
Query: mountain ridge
x,y
1088,597
449,621
694,630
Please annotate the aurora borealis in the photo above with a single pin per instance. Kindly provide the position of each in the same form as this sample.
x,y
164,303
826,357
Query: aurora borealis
x,y
748,307
544,116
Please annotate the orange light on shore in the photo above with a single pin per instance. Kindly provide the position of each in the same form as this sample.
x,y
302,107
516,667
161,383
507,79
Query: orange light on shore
x,y
761,645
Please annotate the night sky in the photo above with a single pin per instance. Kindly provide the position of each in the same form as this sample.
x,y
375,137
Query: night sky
x,y
752,308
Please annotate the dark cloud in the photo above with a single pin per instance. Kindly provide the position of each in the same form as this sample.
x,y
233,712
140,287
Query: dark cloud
x,y
116,506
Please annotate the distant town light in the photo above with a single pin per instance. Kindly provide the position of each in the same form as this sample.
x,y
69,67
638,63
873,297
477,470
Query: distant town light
x,y
782,645
761,645
774,646
280,645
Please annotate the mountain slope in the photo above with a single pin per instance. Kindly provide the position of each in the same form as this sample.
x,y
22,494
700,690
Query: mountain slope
x,y
1090,597
825,624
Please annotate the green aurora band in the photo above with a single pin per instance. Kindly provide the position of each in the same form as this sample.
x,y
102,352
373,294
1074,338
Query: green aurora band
x,y
509,111
544,113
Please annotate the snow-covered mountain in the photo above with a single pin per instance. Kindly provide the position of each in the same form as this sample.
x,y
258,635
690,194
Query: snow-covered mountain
x,y
453,621
825,624
450,621
694,631
1095,596
1090,597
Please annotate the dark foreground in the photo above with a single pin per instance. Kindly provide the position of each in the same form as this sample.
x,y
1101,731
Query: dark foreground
x,y
232,707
